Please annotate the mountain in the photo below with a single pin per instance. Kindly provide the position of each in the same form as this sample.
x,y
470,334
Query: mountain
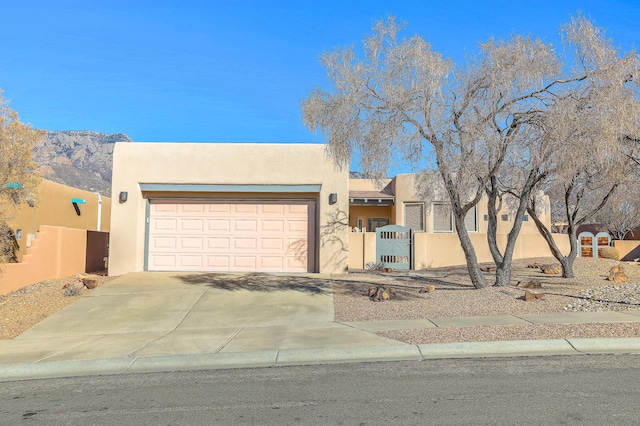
x,y
79,158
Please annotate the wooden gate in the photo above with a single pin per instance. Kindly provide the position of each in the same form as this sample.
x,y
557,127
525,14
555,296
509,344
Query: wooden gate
x,y
393,246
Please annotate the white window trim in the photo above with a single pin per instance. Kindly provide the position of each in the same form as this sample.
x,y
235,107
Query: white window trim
x,y
433,218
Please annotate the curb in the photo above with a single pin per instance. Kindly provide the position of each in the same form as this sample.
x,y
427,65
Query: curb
x,y
290,357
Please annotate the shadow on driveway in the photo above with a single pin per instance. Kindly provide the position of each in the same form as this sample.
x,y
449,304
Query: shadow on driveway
x,y
259,282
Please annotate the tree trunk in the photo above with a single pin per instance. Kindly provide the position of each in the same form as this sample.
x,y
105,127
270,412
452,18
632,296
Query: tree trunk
x,y
566,262
504,260
477,278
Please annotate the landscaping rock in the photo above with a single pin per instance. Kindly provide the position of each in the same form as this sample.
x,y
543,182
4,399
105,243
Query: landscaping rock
x,y
90,282
551,269
530,296
380,293
428,289
529,284
488,269
534,265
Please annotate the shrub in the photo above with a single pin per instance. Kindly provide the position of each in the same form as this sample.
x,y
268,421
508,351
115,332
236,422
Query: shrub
x,y
609,253
73,290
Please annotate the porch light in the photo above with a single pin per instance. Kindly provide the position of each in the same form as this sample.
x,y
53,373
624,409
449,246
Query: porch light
x,y
333,198
123,197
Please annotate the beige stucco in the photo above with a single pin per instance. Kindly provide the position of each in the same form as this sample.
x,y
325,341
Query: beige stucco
x,y
436,249
57,252
224,164
55,208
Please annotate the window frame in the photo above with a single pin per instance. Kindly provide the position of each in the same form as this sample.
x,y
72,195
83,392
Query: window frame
x,y
433,217
422,212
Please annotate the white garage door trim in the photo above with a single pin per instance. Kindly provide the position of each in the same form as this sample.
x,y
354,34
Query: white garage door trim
x,y
266,235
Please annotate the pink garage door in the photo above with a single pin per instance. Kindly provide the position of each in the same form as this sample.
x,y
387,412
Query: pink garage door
x,y
258,236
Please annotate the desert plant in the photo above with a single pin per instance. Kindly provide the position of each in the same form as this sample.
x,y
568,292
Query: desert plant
x,y
609,253
73,290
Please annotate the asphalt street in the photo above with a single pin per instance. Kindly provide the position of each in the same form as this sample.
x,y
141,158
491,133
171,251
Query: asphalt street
x,y
581,389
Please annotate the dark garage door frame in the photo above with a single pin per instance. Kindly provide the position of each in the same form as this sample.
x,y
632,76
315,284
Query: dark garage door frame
x,y
186,193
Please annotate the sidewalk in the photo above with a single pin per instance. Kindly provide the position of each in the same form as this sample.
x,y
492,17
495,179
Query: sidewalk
x,y
154,322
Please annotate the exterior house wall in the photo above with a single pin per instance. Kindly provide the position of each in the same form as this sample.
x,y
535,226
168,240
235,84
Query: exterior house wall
x,y
440,249
224,164
55,208
368,212
436,249
56,253
629,249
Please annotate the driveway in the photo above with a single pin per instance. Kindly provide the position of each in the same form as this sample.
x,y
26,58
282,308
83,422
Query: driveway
x,y
146,314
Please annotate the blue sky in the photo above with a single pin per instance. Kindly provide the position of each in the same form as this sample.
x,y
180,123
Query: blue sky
x,y
229,71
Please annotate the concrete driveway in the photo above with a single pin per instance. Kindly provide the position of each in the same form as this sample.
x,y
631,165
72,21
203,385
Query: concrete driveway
x,y
146,314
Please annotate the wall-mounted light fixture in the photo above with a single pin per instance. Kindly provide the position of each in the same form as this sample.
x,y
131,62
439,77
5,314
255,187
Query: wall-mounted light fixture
x,y
123,197
75,202
333,198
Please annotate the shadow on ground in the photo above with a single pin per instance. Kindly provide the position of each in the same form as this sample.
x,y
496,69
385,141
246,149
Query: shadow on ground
x,y
259,282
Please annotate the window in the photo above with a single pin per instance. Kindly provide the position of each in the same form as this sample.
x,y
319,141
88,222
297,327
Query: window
x,y
442,217
360,223
377,222
414,216
18,234
471,220
505,217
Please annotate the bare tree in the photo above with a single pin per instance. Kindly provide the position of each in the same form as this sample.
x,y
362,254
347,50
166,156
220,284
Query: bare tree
x,y
19,178
590,123
482,123
621,216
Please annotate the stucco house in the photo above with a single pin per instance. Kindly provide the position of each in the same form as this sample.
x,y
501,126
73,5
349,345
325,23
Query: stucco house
x,y
227,207
56,207
273,208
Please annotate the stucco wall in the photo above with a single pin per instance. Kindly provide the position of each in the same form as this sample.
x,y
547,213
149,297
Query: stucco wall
x,y
55,209
404,190
224,164
57,252
437,250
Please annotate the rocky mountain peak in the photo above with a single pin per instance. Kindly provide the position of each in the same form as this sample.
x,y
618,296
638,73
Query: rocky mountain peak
x,y
79,158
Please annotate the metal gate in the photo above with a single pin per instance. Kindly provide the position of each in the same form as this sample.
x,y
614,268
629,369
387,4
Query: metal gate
x,y
393,246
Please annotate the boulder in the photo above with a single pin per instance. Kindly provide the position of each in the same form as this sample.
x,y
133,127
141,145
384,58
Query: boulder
x,y
551,269
428,289
530,296
535,265
618,277
488,269
529,284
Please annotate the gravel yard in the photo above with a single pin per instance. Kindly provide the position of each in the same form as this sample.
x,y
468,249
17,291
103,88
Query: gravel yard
x,y
25,307
454,296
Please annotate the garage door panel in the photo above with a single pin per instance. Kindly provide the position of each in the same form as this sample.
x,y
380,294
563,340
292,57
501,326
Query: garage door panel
x,y
215,244
273,210
164,209
245,244
245,225
246,210
161,262
192,209
237,236
297,226
276,226
218,225
191,225
194,262
191,244
161,224
271,245
222,263
168,243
